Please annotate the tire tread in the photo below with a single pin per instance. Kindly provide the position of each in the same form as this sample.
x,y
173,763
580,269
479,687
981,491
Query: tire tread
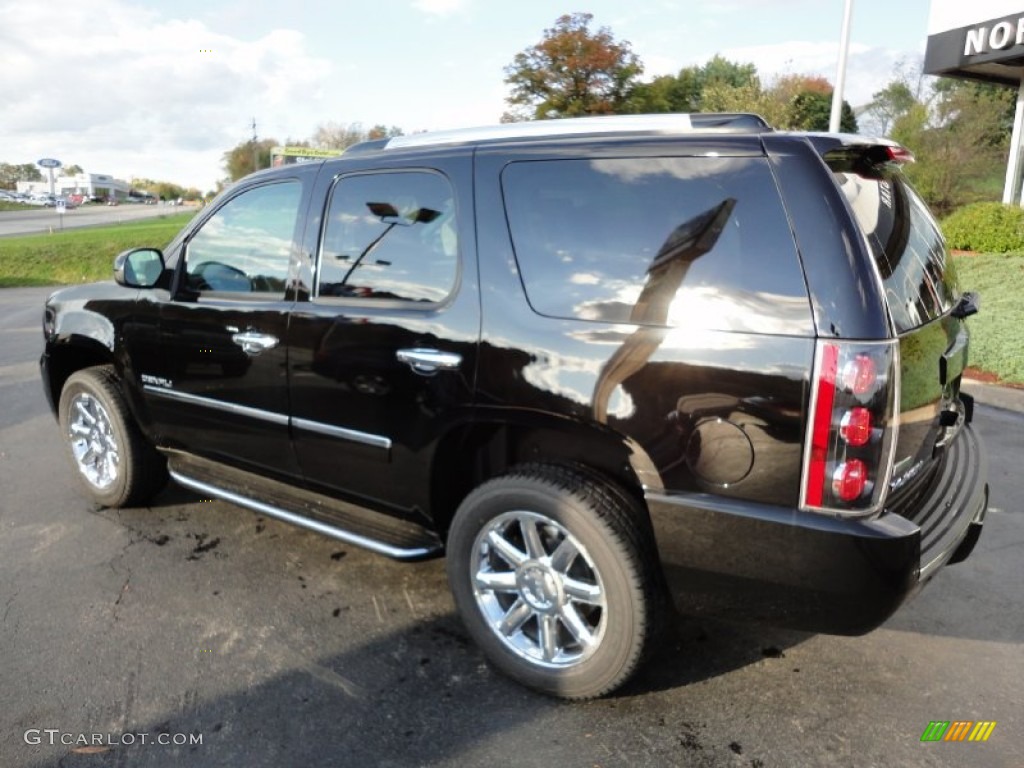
x,y
145,469
627,526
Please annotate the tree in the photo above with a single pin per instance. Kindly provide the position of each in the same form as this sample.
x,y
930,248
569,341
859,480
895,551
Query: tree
x,y
71,170
165,190
383,132
247,157
812,111
686,91
722,97
571,72
11,174
889,105
332,135
959,132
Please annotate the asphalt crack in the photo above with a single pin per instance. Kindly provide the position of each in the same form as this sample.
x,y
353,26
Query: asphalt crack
x,y
7,607
118,565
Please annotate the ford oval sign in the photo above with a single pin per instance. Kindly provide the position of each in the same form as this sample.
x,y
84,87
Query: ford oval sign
x,y
48,162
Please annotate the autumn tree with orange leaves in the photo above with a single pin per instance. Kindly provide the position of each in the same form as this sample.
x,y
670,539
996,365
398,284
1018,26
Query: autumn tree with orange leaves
x,y
573,71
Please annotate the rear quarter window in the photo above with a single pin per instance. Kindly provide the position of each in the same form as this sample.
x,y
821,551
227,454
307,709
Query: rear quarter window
x,y
917,273
672,241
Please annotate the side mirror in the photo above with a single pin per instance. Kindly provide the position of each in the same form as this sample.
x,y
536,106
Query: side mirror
x,y
139,267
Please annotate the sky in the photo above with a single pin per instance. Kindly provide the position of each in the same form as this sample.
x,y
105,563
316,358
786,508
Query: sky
x,y
160,90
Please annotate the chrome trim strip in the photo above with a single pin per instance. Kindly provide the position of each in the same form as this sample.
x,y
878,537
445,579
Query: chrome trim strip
x,y
376,441
303,522
219,405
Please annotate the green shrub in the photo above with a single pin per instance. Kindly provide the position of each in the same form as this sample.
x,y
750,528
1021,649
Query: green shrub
x,y
985,228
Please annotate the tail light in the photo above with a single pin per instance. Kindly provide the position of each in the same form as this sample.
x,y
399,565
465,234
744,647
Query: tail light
x,y
852,428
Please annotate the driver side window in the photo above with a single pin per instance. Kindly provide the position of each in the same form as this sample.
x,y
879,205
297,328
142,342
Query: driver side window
x,y
245,246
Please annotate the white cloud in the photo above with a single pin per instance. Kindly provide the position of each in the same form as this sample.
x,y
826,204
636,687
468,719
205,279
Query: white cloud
x,y
118,89
439,7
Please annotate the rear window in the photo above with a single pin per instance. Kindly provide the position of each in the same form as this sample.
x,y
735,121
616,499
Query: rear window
x,y
699,242
911,255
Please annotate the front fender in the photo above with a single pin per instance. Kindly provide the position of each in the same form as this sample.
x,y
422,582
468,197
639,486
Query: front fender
x,y
81,330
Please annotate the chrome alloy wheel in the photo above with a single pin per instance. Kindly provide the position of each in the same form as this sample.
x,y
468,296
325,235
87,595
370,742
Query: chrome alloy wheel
x,y
538,589
92,440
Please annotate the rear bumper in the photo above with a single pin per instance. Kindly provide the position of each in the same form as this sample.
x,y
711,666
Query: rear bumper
x,y
757,562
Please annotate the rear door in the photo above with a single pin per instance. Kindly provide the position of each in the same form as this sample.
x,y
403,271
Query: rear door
x,y
921,291
383,355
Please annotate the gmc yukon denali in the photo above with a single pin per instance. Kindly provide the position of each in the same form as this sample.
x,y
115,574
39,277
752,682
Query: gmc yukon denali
x,y
609,367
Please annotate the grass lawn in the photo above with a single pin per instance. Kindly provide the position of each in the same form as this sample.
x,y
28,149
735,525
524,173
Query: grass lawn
x,y
997,343
79,255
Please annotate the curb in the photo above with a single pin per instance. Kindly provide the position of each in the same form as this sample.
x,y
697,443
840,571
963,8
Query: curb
x,y
1007,398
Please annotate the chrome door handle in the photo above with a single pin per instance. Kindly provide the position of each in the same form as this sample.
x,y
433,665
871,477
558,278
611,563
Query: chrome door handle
x,y
429,361
253,342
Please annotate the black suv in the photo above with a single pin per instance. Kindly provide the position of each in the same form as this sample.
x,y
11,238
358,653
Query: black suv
x,y
604,364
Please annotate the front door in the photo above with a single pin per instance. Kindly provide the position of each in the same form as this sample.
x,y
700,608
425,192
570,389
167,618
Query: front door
x,y
221,390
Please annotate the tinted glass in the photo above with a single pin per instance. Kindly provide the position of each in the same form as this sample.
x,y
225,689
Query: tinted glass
x,y
390,236
245,246
911,255
689,241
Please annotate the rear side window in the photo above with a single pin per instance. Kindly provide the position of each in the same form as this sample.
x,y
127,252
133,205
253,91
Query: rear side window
x,y
390,236
695,242
917,274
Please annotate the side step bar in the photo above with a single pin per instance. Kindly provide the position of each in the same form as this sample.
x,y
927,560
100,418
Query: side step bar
x,y
342,521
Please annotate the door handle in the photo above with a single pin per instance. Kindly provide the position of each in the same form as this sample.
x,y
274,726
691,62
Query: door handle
x,y
253,342
429,361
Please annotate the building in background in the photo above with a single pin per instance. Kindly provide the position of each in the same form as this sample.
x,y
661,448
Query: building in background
x,y
90,186
983,40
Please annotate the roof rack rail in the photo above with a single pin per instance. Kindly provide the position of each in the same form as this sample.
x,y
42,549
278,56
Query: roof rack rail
x,y
580,126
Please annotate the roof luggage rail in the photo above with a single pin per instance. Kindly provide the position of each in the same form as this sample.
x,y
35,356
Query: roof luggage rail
x,y
667,124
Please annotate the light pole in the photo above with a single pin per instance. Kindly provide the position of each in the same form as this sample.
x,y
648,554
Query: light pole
x,y
255,149
844,47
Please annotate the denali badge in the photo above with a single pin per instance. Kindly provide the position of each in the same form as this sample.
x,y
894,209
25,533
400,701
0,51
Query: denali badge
x,y
157,381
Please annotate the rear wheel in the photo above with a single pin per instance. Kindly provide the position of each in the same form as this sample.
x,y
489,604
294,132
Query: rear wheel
x,y
553,574
115,463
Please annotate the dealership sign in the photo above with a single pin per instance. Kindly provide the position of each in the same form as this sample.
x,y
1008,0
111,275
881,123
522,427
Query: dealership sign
x,y
48,162
997,37
980,40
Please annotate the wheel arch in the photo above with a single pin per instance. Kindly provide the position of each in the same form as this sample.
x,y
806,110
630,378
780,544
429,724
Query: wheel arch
x,y
492,443
69,355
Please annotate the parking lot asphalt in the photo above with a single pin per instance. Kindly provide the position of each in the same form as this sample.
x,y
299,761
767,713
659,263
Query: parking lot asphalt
x,y
197,620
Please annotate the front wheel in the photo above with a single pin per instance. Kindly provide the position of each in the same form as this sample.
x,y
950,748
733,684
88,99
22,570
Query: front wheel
x,y
115,463
553,573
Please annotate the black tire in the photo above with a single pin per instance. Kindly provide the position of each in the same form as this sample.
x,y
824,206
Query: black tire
x,y
611,587
114,462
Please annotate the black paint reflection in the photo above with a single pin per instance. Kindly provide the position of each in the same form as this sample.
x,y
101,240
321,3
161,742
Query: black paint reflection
x,y
687,243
